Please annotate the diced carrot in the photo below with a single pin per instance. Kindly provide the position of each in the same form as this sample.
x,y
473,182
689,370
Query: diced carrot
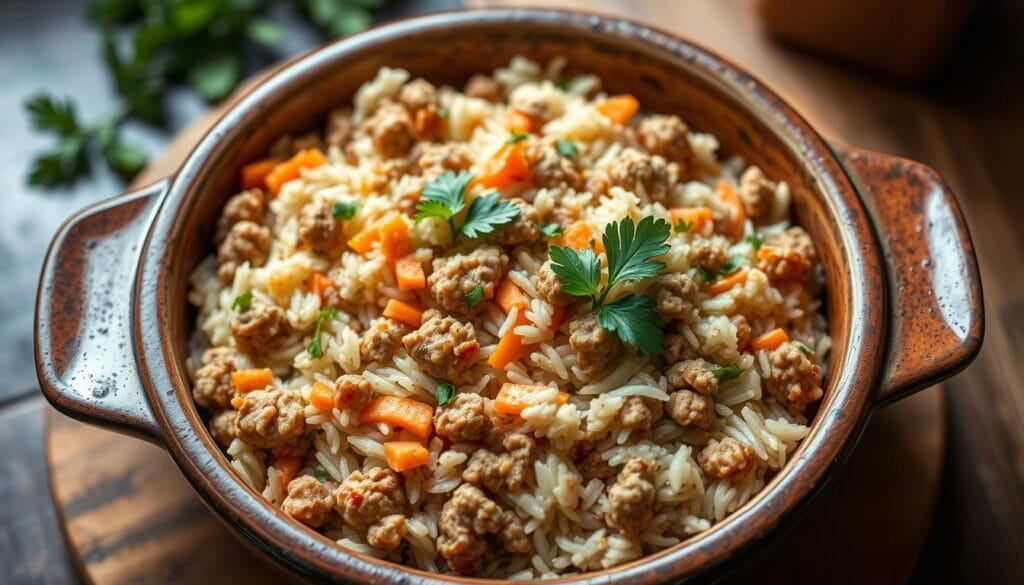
x,y
323,396
620,109
394,238
519,122
251,379
254,175
770,340
319,284
727,282
578,236
405,455
292,168
404,312
412,415
727,193
787,265
409,273
363,241
508,167
510,347
510,295
513,398
697,217
289,467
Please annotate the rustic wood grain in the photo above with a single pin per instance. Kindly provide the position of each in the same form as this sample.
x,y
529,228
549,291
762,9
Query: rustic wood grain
x,y
130,517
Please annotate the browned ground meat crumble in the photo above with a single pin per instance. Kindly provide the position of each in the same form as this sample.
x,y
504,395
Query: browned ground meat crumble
x,y
631,498
213,388
246,241
595,347
382,339
246,206
464,419
466,520
270,419
500,471
308,501
444,347
727,459
795,380
456,276
260,329
319,231
694,374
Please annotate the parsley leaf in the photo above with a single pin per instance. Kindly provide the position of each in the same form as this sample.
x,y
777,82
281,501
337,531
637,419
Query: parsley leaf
x,y
566,148
804,348
444,393
315,350
476,295
563,83
755,241
444,196
580,272
242,301
47,113
343,210
630,249
551,230
724,374
635,321
731,265
321,474
487,212
706,273
515,137
682,226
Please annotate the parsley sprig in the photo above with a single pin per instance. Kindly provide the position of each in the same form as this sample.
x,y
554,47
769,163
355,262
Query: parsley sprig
x,y
315,349
630,248
444,197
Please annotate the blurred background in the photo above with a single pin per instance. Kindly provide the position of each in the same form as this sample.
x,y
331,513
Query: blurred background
x,y
91,92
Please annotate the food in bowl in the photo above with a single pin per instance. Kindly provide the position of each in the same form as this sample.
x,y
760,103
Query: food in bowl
x,y
519,330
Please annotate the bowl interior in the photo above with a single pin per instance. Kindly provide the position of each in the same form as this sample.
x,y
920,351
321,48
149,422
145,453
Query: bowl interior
x,y
666,75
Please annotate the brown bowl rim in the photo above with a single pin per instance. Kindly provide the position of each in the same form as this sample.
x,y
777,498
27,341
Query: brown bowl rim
x,y
835,429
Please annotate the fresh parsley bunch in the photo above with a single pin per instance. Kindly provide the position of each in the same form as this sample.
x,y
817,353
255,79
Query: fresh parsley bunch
x,y
444,197
630,248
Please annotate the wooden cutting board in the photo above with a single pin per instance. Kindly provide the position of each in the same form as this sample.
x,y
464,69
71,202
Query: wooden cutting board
x,y
130,517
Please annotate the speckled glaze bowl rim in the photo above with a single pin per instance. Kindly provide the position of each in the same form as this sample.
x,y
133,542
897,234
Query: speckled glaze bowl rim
x,y
835,429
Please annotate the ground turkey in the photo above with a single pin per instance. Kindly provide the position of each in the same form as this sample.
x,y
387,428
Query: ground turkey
x,y
246,206
694,374
466,520
223,426
631,498
639,172
726,459
757,194
524,229
213,388
260,329
595,348
678,348
445,348
795,380
711,253
666,137
434,159
500,471
550,169
742,330
691,409
417,95
788,256
676,296
308,501
483,87
354,392
363,499
246,241
590,464
387,533
463,419
549,286
319,231
383,338
287,146
392,130
639,414
270,419
454,277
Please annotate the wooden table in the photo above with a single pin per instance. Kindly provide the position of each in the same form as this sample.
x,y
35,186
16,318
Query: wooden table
x,y
967,124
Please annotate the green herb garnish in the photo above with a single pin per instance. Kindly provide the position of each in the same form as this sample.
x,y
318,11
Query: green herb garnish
x,y
444,393
755,241
804,348
242,301
476,295
516,137
682,226
566,148
724,374
343,210
321,474
315,350
731,265
706,273
551,230
563,83
444,197
629,249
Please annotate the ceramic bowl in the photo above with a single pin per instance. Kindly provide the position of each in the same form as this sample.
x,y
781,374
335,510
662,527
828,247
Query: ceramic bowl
x,y
903,293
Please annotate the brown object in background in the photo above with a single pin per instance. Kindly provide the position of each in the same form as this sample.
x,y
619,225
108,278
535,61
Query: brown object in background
x,y
905,39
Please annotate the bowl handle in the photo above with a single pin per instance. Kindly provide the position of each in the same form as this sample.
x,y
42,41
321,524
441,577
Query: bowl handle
x,y
85,356
936,317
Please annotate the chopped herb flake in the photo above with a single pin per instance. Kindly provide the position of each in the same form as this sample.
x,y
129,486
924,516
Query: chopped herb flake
x,y
343,210
444,393
516,137
706,273
315,350
476,295
551,230
804,348
321,475
731,265
242,301
566,148
682,226
755,241
726,373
